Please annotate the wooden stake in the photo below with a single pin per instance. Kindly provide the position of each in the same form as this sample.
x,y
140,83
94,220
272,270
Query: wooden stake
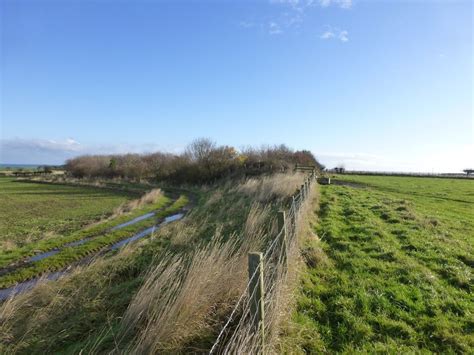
x,y
282,228
257,295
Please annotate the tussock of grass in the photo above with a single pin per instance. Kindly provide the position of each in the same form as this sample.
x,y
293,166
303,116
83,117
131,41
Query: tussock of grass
x,y
148,198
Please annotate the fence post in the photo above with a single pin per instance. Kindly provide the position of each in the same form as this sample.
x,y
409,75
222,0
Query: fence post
x,y
302,193
257,295
282,228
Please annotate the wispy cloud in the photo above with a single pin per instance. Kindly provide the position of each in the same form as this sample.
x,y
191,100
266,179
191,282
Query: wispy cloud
x,y
274,28
245,24
286,2
327,35
46,145
291,14
343,36
343,4
334,33
303,4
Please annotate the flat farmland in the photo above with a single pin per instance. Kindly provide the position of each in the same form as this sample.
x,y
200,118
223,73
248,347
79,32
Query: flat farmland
x,y
33,211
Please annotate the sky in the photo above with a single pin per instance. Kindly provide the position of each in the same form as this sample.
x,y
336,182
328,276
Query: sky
x,y
372,85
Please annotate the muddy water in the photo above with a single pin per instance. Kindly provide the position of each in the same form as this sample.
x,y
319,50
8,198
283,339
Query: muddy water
x,y
27,285
147,231
41,256
47,254
133,221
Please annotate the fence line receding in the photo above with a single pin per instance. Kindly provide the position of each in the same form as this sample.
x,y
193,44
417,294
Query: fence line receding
x,y
250,324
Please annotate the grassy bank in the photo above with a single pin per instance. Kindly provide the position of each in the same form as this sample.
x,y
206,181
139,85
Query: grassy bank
x,y
392,271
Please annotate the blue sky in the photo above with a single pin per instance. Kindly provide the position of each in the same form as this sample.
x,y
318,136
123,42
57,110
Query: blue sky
x,y
374,85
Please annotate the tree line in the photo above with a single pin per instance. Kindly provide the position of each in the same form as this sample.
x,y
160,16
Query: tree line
x,y
202,161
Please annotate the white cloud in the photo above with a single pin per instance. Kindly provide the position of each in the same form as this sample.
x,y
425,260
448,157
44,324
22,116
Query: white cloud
x,y
324,3
343,4
47,145
335,33
245,24
274,28
343,36
327,35
291,14
288,2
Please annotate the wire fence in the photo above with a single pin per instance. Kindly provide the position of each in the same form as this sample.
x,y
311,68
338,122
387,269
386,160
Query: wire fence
x,y
250,325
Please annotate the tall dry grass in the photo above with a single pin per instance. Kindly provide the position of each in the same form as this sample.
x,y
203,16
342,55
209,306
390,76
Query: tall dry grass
x,y
282,263
182,297
272,187
149,197
27,320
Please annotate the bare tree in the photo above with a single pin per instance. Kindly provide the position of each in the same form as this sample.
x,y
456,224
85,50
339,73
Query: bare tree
x,y
468,171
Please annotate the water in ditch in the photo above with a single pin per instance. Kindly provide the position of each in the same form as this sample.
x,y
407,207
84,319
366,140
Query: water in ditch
x,y
27,285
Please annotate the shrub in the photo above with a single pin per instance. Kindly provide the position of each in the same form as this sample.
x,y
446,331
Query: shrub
x,y
202,162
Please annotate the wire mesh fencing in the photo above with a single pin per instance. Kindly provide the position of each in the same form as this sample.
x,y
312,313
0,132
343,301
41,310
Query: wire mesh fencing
x,y
251,323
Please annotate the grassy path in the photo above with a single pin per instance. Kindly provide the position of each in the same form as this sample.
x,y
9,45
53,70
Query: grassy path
x,y
398,273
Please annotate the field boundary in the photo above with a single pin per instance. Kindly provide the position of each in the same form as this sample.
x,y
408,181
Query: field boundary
x,y
251,322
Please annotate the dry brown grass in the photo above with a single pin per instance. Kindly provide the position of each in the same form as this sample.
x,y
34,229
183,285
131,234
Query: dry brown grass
x,y
7,245
148,198
51,303
182,295
173,305
269,188
183,234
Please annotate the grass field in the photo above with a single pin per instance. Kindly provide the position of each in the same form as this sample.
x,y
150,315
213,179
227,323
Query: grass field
x,y
34,211
392,271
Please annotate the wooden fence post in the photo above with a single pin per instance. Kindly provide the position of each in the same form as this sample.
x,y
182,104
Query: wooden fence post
x,y
257,295
282,228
